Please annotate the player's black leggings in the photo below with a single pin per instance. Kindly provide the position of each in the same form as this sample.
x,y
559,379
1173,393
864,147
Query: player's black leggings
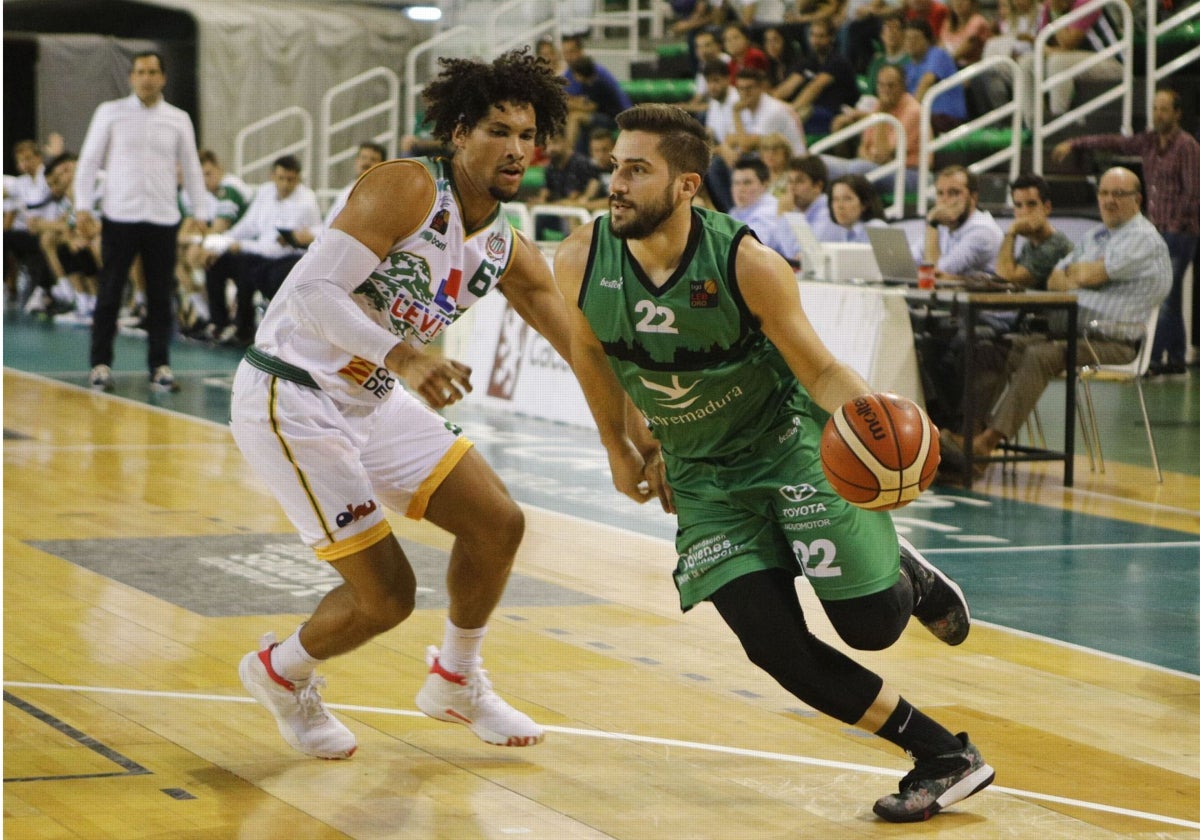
x,y
763,609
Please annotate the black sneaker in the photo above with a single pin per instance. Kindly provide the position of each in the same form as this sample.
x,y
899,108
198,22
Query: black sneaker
x,y
938,602
936,783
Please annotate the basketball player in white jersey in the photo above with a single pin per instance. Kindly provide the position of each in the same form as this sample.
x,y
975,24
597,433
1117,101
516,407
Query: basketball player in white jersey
x,y
319,412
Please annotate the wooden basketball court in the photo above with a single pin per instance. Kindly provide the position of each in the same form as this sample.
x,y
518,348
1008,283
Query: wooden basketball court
x,y
129,599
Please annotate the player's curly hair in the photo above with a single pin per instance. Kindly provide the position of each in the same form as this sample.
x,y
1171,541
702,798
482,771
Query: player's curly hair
x,y
466,89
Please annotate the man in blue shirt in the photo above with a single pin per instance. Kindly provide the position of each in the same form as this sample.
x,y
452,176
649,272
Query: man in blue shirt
x,y
929,65
959,237
754,205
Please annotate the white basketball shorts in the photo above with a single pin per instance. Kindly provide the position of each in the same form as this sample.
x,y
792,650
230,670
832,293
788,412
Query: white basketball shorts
x,y
334,467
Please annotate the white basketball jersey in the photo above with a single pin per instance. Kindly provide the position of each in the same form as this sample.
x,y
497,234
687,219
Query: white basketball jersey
x,y
422,286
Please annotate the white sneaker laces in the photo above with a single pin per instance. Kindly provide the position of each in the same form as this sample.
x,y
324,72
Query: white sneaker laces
x,y
309,698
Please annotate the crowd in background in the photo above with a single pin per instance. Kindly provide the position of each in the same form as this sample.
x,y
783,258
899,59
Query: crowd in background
x,y
764,89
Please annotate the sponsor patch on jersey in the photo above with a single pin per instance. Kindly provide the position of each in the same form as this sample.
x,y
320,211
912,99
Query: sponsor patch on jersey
x,y
366,375
440,221
703,294
402,288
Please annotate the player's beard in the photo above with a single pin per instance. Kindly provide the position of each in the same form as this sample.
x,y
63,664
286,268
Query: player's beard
x,y
645,218
501,195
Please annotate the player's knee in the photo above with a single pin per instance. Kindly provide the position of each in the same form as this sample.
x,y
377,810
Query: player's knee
x,y
383,612
501,530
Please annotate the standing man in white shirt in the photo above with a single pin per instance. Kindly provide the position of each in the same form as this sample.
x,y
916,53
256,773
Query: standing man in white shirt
x,y
141,143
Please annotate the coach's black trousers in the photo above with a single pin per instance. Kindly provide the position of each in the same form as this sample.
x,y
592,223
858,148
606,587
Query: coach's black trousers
x,y
120,244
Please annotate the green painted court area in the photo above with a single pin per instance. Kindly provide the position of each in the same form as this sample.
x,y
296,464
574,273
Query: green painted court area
x,y
1127,589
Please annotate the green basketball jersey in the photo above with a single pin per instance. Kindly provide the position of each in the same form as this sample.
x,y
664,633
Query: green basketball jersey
x,y
690,354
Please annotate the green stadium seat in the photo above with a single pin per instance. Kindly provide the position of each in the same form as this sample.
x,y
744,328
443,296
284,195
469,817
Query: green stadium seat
x,y
985,141
659,90
535,178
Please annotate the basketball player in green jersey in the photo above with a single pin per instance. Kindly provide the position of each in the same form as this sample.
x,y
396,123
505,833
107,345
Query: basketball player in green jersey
x,y
701,326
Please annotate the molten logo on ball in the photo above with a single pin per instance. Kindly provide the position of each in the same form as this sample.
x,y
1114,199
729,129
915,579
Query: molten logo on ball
x,y
880,451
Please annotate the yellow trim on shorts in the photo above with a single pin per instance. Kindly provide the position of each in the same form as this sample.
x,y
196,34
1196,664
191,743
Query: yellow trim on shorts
x,y
287,452
352,545
420,499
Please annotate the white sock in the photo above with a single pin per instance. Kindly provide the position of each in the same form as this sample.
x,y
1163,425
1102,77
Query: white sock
x,y
291,661
460,649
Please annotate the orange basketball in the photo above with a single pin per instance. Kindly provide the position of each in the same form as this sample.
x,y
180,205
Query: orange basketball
x,y
880,451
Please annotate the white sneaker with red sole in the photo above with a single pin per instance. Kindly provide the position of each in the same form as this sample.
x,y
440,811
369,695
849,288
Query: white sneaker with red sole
x,y
303,720
470,700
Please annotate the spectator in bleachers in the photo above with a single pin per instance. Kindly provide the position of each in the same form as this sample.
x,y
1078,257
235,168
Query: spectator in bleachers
x,y
547,51
750,14
781,52
807,179
757,114
853,207
821,83
930,65
877,145
693,16
1171,165
1016,26
722,98
859,32
369,154
743,55
570,176
930,11
777,154
594,95
804,12
891,52
1041,246
1066,48
754,205
965,32
600,148
258,252
142,143
21,247
705,49
960,239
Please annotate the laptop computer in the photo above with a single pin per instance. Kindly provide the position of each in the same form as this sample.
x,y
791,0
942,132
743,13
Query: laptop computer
x,y
892,253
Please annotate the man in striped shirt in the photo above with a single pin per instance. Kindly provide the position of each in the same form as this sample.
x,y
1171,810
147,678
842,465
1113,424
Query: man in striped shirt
x,y
1171,165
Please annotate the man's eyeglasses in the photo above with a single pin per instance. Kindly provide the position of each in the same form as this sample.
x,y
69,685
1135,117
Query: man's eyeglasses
x,y
1115,193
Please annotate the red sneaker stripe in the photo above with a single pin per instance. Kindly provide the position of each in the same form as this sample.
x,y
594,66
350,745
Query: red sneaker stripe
x,y
437,668
264,656
455,714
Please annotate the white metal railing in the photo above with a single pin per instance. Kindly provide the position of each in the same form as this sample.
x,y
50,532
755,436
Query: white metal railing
x,y
1154,73
579,215
896,168
468,41
1041,83
1012,110
387,108
627,19
302,147
524,12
